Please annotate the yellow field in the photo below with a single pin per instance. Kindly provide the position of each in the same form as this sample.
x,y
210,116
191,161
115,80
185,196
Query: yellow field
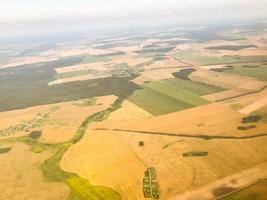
x,y
155,75
61,124
128,111
105,160
195,121
21,177
237,85
76,78
113,159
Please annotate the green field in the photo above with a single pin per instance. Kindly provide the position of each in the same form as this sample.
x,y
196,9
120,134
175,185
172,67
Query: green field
x,y
161,97
197,88
254,192
251,70
191,55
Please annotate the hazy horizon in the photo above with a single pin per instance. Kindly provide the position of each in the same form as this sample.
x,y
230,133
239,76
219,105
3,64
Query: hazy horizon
x,y
40,17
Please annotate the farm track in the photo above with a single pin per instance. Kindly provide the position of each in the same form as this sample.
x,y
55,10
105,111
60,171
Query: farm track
x,y
201,136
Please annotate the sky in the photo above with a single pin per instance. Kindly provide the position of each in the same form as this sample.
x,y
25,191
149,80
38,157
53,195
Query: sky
x,y
18,16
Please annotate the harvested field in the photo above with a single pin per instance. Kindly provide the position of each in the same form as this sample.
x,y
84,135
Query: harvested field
x,y
105,160
189,172
237,181
77,78
194,121
57,126
27,60
237,85
154,75
255,106
89,66
63,124
13,118
24,180
128,111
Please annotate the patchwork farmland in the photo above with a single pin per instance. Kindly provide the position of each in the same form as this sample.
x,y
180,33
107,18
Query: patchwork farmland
x,y
165,114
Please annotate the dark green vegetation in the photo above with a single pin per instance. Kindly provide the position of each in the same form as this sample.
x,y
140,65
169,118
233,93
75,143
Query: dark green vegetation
x,y
5,150
231,47
255,70
117,53
157,49
161,97
184,73
141,143
35,134
244,128
192,55
224,68
251,119
256,191
195,153
201,136
27,85
150,185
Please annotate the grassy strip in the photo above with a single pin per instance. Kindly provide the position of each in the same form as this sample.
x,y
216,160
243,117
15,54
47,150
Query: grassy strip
x,y
200,136
81,188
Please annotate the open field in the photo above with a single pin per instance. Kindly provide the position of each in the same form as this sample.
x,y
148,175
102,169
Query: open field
x,y
56,122
179,113
201,120
129,110
194,57
62,125
168,161
22,179
154,75
256,70
161,97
